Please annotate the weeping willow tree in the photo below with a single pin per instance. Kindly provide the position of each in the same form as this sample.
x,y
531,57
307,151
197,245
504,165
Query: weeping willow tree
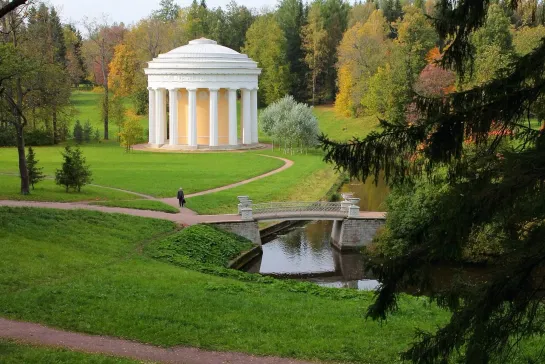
x,y
481,143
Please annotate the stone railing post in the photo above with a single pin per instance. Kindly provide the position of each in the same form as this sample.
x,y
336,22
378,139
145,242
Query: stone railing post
x,y
243,203
354,209
246,213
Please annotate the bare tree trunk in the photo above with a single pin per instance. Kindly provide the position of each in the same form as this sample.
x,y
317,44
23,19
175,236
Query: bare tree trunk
x,y
105,84
55,131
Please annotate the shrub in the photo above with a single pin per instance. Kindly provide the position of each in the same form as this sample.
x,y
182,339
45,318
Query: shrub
x,y
290,123
75,172
38,137
87,132
131,133
78,132
35,174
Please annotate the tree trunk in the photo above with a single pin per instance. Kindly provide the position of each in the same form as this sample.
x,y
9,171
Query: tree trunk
x,y
105,84
55,131
23,171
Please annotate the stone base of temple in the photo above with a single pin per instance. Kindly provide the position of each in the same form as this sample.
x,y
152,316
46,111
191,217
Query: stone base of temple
x,y
200,148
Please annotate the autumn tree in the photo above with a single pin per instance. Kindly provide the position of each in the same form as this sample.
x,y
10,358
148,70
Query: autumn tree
x,y
102,41
131,133
364,48
122,71
266,44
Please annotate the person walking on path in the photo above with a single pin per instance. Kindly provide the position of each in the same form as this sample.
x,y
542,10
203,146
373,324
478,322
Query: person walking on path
x,y
181,197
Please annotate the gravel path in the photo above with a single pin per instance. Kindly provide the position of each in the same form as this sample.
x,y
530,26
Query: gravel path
x,y
41,335
185,217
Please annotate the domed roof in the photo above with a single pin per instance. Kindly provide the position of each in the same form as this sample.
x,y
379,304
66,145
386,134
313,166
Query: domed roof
x,y
203,54
201,46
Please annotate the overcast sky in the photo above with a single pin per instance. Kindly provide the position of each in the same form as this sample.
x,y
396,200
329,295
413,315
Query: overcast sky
x,y
130,11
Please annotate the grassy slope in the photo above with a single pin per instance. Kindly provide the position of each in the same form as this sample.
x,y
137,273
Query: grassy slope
x,y
82,271
140,205
47,190
15,353
343,128
201,243
307,180
158,174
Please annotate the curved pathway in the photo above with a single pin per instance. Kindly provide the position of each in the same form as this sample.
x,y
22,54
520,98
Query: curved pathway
x,y
41,335
287,164
185,217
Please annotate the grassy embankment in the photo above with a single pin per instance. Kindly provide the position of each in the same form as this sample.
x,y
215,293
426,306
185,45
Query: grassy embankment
x,y
12,352
85,271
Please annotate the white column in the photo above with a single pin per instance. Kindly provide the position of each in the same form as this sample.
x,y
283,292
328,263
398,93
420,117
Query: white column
x,y
254,116
160,116
151,107
213,141
233,137
192,117
173,116
246,117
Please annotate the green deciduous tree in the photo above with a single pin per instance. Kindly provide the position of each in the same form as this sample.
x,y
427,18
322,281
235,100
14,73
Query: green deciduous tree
x,y
266,44
74,172
168,12
35,173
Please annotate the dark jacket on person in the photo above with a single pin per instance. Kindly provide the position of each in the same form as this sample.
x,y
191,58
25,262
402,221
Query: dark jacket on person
x,y
180,195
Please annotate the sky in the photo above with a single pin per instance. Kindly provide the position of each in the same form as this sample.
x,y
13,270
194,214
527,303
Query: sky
x,y
129,11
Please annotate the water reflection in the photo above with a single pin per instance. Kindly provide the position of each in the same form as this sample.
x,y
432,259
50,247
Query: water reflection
x,y
305,252
371,196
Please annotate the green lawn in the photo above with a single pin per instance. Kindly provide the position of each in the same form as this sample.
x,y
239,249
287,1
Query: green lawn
x,y
141,205
157,174
308,179
84,271
342,128
15,353
47,190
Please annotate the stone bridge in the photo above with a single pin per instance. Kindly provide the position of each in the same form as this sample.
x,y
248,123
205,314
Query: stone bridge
x,y
352,228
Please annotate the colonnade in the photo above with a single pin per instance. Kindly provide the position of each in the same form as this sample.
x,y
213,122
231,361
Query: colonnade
x,y
158,116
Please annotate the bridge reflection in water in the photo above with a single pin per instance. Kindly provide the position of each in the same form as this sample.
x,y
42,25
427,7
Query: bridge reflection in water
x,y
305,252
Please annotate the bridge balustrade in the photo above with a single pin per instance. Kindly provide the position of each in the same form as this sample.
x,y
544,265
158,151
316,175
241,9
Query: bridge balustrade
x,y
249,211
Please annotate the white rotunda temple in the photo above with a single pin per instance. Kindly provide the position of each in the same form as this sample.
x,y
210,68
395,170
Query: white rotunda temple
x,y
202,79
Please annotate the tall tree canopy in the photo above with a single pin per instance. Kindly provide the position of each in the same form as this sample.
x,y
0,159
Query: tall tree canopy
x,y
477,148
266,44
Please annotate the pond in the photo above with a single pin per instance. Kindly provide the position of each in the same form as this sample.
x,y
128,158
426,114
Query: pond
x,y
305,251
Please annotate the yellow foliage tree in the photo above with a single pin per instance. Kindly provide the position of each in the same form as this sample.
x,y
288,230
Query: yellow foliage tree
x,y
131,132
363,49
123,69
